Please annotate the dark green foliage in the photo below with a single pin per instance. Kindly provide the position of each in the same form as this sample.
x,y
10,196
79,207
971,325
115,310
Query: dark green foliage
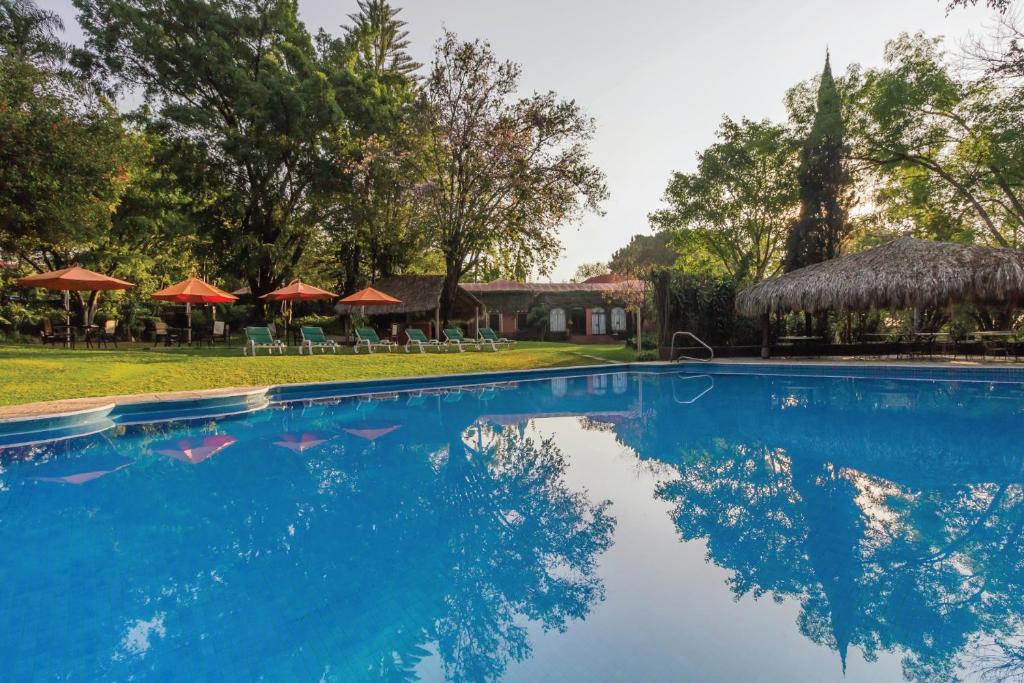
x,y
701,304
824,183
644,252
239,82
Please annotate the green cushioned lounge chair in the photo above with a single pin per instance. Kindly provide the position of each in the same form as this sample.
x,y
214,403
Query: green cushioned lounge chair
x,y
488,336
453,337
260,338
367,337
416,339
314,338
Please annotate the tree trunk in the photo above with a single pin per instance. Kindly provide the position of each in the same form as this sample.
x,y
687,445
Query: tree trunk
x,y
449,291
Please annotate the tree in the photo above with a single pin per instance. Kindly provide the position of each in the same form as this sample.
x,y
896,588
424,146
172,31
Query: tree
x,y
585,271
922,128
824,182
63,167
500,175
380,39
30,34
241,82
644,252
730,215
1001,6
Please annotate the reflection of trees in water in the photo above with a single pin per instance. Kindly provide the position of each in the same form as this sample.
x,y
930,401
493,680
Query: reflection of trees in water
x,y
363,553
932,574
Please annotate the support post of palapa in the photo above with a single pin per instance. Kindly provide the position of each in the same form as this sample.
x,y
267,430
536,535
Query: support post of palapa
x,y
766,329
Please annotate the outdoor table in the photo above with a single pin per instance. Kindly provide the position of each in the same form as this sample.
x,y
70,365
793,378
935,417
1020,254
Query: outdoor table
x,y
801,342
930,338
86,332
995,341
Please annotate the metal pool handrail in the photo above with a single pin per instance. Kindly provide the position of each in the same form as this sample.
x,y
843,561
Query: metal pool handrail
x,y
691,335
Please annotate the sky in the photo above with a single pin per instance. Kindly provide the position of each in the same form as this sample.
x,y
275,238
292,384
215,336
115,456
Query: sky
x,y
656,75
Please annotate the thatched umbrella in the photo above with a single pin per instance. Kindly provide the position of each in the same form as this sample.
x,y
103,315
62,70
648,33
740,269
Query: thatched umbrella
x,y
904,273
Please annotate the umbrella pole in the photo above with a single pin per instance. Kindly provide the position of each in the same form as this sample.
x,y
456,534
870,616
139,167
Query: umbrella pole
x,y
188,314
67,318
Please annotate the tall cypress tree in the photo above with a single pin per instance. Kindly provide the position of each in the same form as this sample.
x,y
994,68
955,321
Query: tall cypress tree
x,y
824,183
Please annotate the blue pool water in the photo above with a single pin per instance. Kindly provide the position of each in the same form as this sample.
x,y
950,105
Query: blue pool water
x,y
608,527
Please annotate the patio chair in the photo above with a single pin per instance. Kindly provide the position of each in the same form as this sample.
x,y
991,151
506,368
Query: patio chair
x,y
107,334
367,336
220,332
261,338
47,335
489,336
417,339
163,331
314,338
453,337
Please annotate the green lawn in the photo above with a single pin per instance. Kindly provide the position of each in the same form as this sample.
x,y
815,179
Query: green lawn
x,y
33,373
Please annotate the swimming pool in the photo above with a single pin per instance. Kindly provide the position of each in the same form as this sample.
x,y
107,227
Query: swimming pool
x,y
643,526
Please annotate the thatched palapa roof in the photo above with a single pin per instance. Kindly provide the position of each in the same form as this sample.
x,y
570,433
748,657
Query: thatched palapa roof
x,y
418,294
904,273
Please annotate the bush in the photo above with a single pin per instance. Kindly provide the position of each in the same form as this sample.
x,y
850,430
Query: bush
x,y
649,342
646,356
701,304
331,324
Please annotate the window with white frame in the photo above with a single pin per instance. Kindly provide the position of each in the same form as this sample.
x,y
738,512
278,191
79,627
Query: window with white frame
x,y
618,320
557,320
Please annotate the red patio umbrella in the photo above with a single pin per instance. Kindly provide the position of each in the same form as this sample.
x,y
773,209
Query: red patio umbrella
x,y
193,291
71,279
297,290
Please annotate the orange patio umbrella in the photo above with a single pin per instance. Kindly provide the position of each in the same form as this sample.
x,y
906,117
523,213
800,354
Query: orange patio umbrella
x,y
297,290
71,279
370,297
193,291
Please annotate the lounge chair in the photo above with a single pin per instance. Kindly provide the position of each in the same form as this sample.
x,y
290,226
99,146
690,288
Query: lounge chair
x,y
367,336
314,338
453,337
417,339
260,338
488,336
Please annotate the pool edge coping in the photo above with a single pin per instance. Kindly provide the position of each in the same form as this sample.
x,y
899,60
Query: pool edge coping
x,y
223,401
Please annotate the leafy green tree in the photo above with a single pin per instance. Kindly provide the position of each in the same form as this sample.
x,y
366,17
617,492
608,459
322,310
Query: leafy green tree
x,y
950,146
730,215
500,174
588,270
241,82
369,210
31,34
63,169
824,181
380,38
643,253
